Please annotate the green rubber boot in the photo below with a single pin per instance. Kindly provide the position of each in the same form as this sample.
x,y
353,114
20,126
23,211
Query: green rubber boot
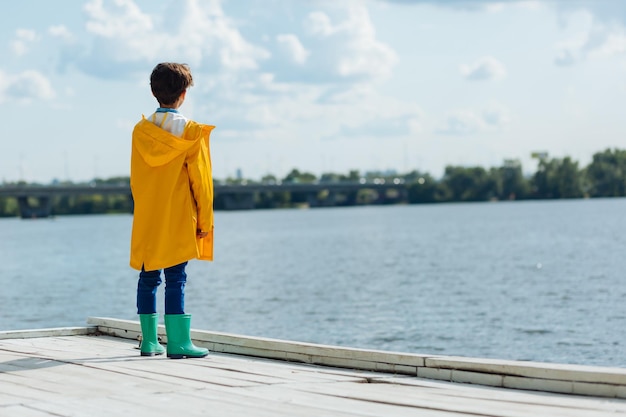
x,y
179,343
149,335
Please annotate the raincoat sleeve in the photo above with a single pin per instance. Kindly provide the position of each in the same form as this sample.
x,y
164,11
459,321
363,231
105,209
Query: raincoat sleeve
x,y
201,182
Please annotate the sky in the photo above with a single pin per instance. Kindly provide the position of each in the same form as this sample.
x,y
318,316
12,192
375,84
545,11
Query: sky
x,y
317,85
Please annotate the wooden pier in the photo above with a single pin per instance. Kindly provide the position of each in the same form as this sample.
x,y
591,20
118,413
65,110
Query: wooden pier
x,y
97,371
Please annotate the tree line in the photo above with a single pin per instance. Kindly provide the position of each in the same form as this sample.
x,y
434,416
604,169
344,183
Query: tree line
x,y
554,178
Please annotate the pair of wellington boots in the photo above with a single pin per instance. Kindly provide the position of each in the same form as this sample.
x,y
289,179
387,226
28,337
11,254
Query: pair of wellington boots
x,y
179,343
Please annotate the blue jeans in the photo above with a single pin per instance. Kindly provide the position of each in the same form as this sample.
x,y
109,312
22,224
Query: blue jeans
x,y
149,281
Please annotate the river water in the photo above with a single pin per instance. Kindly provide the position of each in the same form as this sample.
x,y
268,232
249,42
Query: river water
x,y
542,281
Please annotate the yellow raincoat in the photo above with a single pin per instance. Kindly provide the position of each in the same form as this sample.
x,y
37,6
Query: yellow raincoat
x,y
172,187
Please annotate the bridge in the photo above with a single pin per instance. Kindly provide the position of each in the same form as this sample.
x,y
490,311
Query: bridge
x,y
36,201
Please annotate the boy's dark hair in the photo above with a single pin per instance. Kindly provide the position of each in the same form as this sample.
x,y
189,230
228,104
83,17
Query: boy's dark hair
x,y
168,81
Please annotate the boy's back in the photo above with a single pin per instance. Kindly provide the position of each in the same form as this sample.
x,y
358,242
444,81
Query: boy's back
x,y
172,188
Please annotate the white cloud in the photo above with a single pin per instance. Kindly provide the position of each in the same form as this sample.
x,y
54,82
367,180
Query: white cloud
x,y
569,50
19,47
565,58
124,21
475,5
26,35
23,39
462,122
60,31
318,23
603,11
496,115
262,109
606,35
348,49
337,45
364,113
531,4
125,39
293,47
25,87
601,42
603,30
466,122
615,43
205,33
486,68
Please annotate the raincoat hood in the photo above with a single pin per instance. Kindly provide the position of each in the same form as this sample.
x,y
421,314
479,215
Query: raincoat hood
x,y
157,146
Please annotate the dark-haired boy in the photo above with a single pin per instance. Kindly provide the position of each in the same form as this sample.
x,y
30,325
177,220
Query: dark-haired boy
x,y
172,188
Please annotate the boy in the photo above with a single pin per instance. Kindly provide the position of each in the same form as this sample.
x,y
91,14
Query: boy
x,y
172,187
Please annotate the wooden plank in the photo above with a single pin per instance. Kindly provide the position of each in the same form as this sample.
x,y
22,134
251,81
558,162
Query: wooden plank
x,y
174,372
287,370
492,380
538,384
19,410
329,405
231,402
503,394
435,373
423,399
561,372
7,399
83,345
52,332
80,379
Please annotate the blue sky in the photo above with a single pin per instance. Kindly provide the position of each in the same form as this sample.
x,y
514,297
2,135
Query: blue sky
x,y
316,85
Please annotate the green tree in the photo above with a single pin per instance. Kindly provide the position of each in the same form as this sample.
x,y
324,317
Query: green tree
x,y
297,176
269,179
511,183
469,184
424,189
353,176
112,181
606,174
331,177
558,178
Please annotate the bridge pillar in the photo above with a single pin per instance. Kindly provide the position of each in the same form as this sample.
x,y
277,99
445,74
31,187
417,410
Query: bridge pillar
x,y
42,209
327,199
352,198
331,199
312,200
392,196
238,201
